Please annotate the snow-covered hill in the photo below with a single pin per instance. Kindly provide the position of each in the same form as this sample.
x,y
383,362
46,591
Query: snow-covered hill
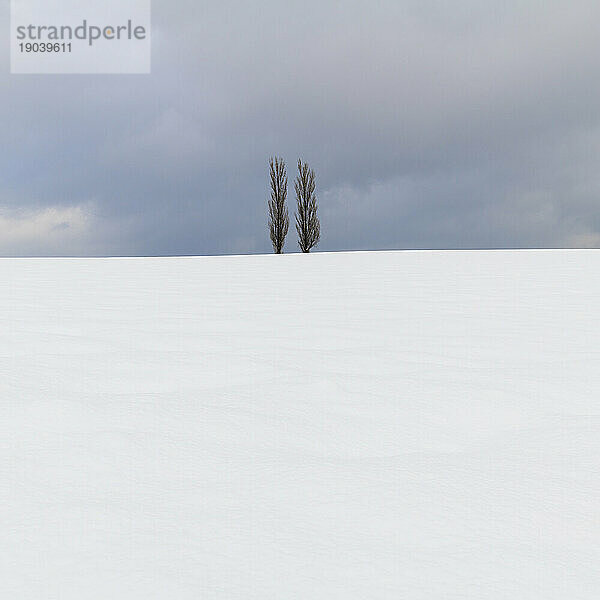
x,y
415,425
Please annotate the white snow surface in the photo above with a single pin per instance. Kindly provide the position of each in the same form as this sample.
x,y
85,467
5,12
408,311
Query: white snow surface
x,y
414,425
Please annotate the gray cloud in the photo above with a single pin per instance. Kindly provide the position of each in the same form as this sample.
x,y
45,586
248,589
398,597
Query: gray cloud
x,y
430,124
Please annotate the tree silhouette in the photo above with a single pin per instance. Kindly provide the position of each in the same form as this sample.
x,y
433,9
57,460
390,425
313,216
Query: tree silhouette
x,y
279,220
307,221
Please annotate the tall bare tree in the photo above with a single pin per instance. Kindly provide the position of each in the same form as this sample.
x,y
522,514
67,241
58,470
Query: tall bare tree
x,y
279,220
307,221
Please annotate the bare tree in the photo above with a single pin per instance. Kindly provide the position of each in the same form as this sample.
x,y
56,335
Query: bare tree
x,y
307,221
279,220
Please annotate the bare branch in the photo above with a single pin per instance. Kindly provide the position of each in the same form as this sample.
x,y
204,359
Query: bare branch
x,y
279,220
308,226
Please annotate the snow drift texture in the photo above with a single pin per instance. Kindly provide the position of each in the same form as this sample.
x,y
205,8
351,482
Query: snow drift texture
x,y
412,425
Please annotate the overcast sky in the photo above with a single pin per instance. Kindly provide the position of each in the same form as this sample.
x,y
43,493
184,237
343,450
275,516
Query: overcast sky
x,y
430,124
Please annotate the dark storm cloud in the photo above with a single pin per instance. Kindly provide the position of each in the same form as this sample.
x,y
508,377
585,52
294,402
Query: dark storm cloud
x,y
430,124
